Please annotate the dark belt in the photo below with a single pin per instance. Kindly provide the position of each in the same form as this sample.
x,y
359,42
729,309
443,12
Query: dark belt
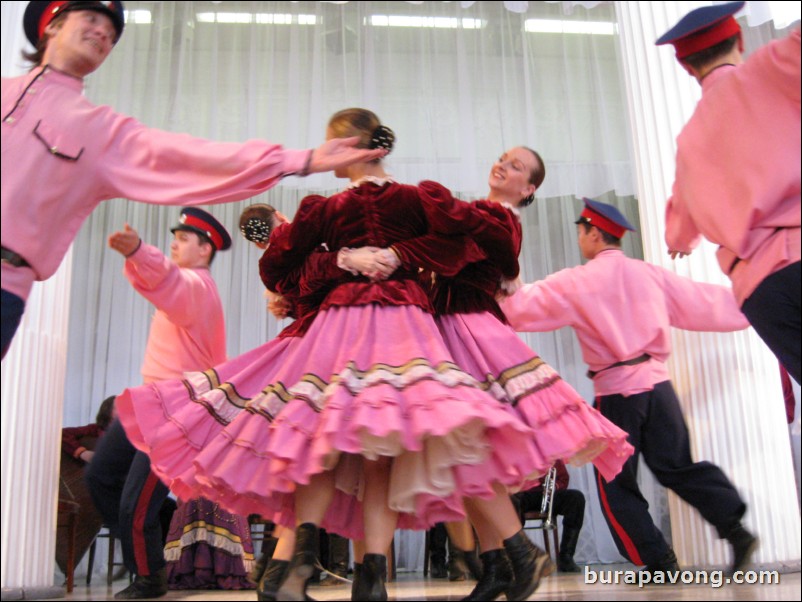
x,y
13,258
633,362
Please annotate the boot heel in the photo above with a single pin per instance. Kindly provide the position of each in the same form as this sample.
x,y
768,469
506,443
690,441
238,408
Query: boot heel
x,y
529,565
372,578
496,577
302,565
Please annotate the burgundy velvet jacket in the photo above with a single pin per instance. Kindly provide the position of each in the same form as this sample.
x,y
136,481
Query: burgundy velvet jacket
x,y
369,215
496,230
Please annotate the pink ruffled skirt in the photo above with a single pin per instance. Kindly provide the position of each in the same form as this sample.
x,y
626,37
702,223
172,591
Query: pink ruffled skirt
x,y
364,382
565,426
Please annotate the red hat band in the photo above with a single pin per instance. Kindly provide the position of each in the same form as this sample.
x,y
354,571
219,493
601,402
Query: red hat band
x,y
602,223
190,220
48,15
710,37
54,8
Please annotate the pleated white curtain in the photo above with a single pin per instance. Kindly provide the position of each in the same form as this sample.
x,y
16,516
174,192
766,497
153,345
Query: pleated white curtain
x,y
456,97
458,82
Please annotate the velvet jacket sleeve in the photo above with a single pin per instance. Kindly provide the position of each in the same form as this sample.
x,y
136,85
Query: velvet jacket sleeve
x,y
500,237
443,255
281,266
494,228
71,438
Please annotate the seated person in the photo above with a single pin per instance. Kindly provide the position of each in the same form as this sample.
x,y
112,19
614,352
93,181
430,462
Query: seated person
x,y
569,503
71,436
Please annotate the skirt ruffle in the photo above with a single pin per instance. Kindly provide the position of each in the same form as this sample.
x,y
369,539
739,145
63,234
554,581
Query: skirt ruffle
x,y
364,382
566,427
208,548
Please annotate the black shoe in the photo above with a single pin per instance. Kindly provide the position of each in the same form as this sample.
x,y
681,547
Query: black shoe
x,y
255,575
457,567
565,559
302,566
660,570
529,564
145,586
357,582
743,545
438,570
496,578
371,582
566,564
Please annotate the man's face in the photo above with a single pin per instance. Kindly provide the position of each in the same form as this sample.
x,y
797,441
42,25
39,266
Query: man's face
x,y
586,239
80,43
187,250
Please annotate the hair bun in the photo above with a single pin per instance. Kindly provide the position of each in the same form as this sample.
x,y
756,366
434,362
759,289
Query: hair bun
x,y
382,137
256,230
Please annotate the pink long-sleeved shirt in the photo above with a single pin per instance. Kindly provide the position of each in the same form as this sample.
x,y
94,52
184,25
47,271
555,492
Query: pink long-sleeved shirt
x,y
738,177
620,309
63,155
188,329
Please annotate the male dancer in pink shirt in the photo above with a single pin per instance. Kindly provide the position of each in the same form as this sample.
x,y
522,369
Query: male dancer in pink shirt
x,y
622,310
63,155
187,334
738,177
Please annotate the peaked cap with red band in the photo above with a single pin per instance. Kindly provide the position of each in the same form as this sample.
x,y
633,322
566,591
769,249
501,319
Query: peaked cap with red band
x,y
39,14
605,217
702,28
199,221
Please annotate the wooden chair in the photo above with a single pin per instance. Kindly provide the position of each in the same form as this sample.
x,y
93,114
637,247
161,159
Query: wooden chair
x,y
545,518
67,518
111,563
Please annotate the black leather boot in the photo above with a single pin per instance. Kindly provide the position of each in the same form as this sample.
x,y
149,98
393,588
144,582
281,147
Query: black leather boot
x,y
338,560
529,564
302,565
565,560
357,583
438,540
145,586
457,565
660,570
743,545
371,582
255,575
496,577
474,565
271,579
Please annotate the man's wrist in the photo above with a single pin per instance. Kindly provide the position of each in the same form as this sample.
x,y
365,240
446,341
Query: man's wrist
x,y
138,245
308,165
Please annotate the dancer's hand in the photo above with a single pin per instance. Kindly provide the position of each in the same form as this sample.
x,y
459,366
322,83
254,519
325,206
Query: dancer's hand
x,y
340,152
277,305
357,261
125,241
386,262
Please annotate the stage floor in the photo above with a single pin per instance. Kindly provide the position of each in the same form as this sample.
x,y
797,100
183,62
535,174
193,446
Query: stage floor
x,y
413,586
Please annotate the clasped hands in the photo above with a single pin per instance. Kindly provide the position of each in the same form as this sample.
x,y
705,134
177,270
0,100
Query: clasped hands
x,y
372,262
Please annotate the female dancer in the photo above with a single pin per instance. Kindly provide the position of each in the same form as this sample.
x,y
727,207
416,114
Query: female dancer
x,y
480,340
385,401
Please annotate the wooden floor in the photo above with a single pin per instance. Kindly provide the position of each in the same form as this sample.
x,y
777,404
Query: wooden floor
x,y
413,586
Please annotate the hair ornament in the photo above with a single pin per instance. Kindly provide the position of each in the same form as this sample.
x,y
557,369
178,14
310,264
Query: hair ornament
x,y
382,137
256,230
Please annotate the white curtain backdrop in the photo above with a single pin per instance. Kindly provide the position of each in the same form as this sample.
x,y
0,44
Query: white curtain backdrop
x,y
460,83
